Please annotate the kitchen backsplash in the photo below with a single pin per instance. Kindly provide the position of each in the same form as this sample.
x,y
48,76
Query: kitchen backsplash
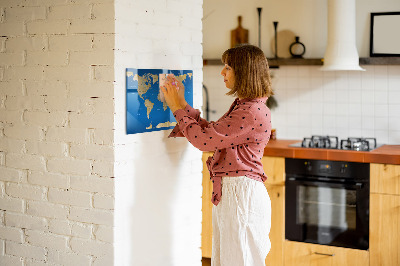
x,y
314,102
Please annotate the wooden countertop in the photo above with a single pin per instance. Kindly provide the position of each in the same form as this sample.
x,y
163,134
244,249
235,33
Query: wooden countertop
x,y
389,154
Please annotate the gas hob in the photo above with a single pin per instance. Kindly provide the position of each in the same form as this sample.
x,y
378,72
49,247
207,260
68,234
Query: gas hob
x,y
332,142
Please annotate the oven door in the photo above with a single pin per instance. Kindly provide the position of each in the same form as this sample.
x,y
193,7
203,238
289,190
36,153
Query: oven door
x,y
327,213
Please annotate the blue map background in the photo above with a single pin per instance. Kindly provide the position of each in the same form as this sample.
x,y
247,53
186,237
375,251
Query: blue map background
x,y
144,111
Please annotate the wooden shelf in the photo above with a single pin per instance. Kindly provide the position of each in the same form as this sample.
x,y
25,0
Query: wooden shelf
x,y
380,61
274,63
212,62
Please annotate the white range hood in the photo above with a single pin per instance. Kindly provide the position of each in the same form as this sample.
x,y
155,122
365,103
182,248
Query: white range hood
x,y
341,51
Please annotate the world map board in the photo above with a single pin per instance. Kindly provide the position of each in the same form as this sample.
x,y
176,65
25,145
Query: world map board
x,y
146,109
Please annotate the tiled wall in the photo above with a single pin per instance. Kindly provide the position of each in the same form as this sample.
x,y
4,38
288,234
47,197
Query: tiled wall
x,y
313,102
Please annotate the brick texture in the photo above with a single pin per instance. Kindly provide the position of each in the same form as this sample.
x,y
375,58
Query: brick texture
x,y
62,121
94,216
68,258
47,210
47,240
12,234
47,111
24,221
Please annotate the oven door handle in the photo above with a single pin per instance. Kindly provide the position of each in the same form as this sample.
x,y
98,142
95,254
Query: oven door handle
x,y
357,185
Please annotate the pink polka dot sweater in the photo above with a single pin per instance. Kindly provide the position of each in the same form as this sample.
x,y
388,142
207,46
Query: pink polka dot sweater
x,y
238,139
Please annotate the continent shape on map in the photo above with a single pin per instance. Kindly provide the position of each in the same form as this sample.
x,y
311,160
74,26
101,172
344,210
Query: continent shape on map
x,y
145,82
149,105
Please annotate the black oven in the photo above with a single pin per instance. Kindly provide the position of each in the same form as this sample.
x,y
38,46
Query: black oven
x,y
327,202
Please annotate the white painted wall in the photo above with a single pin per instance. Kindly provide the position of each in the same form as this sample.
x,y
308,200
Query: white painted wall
x,y
305,18
158,180
56,132
344,103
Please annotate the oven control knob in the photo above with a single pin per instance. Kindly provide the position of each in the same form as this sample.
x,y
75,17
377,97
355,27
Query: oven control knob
x,y
308,166
343,168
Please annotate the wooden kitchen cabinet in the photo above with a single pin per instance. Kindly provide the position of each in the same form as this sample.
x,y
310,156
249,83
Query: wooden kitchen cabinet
x,y
274,168
277,233
384,237
305,254
385,178
206,225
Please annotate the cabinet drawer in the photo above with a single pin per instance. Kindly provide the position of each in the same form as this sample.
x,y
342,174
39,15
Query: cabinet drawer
x,y
304,254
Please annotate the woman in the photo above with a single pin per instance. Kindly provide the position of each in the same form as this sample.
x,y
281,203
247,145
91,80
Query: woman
x,y
242,208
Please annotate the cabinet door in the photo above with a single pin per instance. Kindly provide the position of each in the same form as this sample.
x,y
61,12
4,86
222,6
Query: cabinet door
x,y
274,168
277,233
384,229
304,254
385,178
206,226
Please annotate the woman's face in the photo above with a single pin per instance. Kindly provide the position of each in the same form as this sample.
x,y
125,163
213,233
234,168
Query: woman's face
x,y
229,76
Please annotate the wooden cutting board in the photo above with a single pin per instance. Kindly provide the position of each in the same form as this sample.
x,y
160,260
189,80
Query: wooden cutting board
x,y
239,35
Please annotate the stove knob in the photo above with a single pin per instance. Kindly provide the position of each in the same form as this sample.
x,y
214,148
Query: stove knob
x,y
308,166
343,168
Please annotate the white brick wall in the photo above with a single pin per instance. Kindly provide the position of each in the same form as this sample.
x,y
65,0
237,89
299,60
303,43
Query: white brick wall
x,y
47,210
62,138
158,180
56,132
68,258
46,240
25,251
25,221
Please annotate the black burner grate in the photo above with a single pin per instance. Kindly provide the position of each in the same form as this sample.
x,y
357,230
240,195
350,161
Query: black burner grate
x,y
327,142
332,142
358,144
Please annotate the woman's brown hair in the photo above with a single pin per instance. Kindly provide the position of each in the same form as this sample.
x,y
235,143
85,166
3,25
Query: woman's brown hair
x,y
250,66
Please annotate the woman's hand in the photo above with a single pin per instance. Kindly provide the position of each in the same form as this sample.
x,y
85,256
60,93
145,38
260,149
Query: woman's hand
x,y
174,94
181,90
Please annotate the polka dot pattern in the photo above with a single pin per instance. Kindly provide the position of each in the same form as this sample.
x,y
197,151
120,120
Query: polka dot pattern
x,y
238,139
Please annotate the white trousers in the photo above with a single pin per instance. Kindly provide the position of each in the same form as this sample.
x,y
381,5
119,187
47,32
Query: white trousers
x,y
241,223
